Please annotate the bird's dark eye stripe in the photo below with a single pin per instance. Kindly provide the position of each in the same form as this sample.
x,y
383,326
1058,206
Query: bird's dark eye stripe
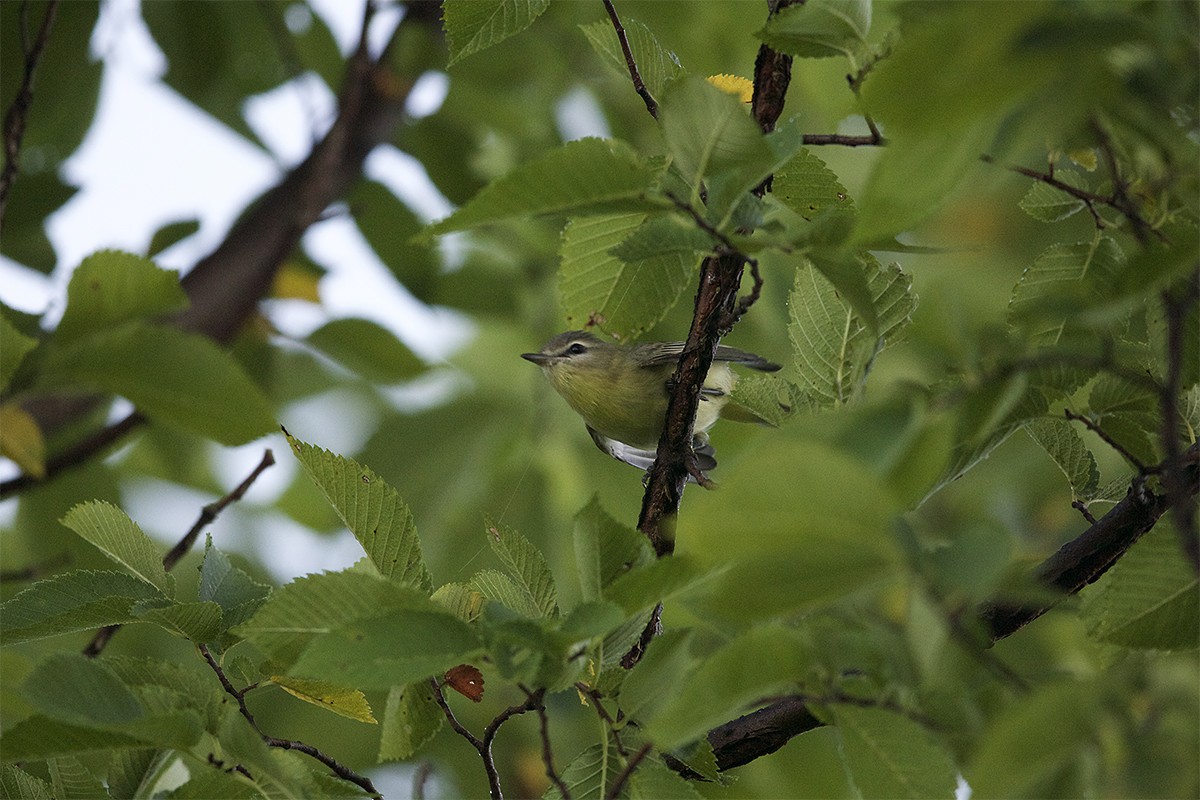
x,y
576,349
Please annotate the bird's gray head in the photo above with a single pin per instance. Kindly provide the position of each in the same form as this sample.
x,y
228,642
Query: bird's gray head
x,y
570,346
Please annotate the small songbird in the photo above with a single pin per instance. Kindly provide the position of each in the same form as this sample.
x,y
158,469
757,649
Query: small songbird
x,y
622,392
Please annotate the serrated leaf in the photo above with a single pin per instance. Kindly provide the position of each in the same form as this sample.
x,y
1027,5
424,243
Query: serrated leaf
x,y
656,65
411,719
1048,204
590,775
887,755
70,602
460,599
605,549
17,784
14,346
1110,395
1148,600
111,287
315,604
475,25
168,374
819,28
499,588
238,595
341,700
80,690
1063,444
526,564
1061,278
597,287
654,780
378,653
594,176
757,398
807,186
832,347
117,536
666,661
199,622
39,737
373,511
368,349
73,781
21,440
644,587
661,236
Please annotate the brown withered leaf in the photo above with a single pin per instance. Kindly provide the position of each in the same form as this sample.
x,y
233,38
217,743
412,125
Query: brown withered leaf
x,y
466,680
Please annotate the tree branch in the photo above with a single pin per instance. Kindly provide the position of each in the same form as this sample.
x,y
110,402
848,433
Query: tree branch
x,y
1076,564
207,515
630,766
538,699
1177,306
639,85
17,116
338,769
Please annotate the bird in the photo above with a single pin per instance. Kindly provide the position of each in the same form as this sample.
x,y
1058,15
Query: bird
x,y
622,391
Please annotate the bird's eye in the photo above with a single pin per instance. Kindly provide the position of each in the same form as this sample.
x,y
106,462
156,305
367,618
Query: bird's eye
x,y
576,349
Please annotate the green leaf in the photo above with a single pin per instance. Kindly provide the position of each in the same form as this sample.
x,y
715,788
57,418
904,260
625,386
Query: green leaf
x,y
341,700
373,511
594,176
368,349
819,28
1036,735
887,755
590,774
760,663
39,737
17,784
832,345
74,601
626,298
527,565
73,781
642,588
317,604
605,549
14,346
708,132
170,375
460,599
404,646
661,236
76,689
1061,278
656,65
666,661
1048,204
1148,600
474,25
1111,395
112,531
200,622
411,719
807,186
170,234
654,780
238,595
111,287
499,588
1063,444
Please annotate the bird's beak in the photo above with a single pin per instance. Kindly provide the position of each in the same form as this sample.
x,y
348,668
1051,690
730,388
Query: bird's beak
x,y
541,359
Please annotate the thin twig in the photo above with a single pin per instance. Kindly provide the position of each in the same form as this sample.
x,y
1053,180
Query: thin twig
x,y
538,698
17,116
207,515
750,299
639,85
872,139
602,712
75,455
482,746
1082,508
1111,442
1120,189
420,778
619,782
338,769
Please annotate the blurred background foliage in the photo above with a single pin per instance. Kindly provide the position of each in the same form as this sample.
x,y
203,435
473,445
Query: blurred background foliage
x,y
479,432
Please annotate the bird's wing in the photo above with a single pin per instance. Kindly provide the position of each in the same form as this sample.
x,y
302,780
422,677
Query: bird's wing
x,y
668,353
644,459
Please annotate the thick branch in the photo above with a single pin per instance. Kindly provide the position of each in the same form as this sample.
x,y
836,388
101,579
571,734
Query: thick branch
x,y
1079,562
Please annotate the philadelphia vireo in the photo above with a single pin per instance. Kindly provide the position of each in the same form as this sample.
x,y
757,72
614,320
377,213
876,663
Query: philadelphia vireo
x,y
622,391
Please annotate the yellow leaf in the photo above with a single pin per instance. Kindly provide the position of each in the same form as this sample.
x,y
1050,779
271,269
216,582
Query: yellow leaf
x,y
21,440
1084,157
294,282
341,700
733,84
